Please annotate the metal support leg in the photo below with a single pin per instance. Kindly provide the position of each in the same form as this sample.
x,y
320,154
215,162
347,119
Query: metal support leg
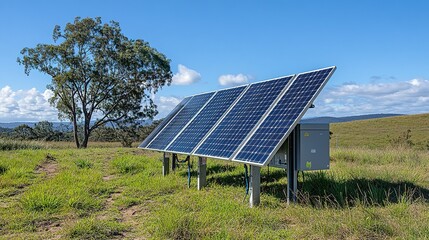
x,y
292,182
166,164
292,173
173,162
202,170
255,186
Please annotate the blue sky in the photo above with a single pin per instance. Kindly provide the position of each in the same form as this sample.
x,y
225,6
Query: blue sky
x,y
381,48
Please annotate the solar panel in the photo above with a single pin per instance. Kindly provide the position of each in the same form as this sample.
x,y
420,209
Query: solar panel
x,y
179,121
167,119
205,120
284,116
240,120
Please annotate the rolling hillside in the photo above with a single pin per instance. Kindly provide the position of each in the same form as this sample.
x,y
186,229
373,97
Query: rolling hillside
x,y
376,133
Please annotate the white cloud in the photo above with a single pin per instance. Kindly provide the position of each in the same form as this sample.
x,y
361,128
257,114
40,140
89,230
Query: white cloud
x,y
407,97
165,105
185,76
233,80
26,105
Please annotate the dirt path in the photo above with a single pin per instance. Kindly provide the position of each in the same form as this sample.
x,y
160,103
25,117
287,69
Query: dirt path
x,y
49,166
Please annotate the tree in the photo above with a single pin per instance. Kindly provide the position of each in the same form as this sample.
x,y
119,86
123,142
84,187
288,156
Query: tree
x,y
99,73
127,134
24,132
44,130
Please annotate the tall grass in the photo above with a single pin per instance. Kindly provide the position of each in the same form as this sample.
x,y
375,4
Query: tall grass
x,y
7,145
128,164
322,189
41,201
91,228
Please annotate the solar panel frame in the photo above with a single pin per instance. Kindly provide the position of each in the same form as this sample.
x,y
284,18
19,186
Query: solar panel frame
x,y
291,77
149,147
293,125
246,86
164,123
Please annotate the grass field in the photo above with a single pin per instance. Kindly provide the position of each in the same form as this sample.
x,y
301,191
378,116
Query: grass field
x,y
108,192
378,133
102,193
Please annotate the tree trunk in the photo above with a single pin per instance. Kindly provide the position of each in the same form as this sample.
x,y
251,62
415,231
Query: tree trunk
x,y
86,133
85,141
75,132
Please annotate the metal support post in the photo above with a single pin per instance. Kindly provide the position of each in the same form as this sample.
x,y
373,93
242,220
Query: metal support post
x,y
202,172
166,164
292,172
255,186
174,162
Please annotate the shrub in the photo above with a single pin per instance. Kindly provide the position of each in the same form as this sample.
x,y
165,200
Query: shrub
x,y
403,140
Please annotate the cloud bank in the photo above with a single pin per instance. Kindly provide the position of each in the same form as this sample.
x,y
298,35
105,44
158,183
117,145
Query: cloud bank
x,y
165,105
185,76
406,97
26,105
233,80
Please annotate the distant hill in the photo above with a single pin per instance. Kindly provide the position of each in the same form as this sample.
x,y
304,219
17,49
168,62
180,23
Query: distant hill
x,y
2,130
376,133
68,125
56,125
346,119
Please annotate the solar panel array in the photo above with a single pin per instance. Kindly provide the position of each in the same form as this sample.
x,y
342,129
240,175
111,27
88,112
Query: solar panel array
x,y
245,124
168,133
284,115
199,127
228,135
166,120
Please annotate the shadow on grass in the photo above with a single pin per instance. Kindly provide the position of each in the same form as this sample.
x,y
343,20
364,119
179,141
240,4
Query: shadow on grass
x,y
232,178
321,189
212,170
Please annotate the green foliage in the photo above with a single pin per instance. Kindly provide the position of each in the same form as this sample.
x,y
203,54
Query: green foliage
x,y
83,163
90,228
127,134
96,69
24,132
44,130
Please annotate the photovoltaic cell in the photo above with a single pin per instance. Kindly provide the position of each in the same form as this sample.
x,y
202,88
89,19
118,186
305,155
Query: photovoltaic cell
x,y
205,120
168,133
238,123
283,116
153,134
